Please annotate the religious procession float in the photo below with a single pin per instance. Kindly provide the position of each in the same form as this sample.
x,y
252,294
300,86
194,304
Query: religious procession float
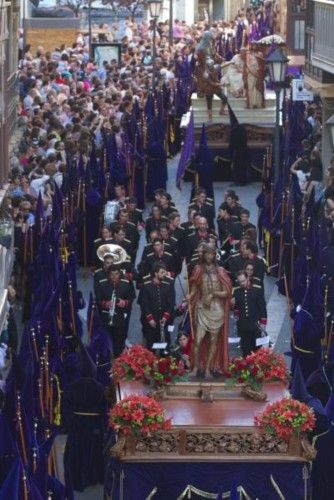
x,y
178,438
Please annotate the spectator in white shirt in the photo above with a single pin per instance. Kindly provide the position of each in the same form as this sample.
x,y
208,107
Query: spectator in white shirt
x,y
301,169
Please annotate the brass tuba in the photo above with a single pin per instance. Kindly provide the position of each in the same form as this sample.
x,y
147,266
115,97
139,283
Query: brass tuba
x,y
117,253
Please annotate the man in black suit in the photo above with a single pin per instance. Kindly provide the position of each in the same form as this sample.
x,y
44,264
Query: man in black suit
x,y
157,302
114,299
250,312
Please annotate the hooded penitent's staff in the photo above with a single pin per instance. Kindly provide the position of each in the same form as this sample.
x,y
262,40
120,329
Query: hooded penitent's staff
x,y
329,341
40,394
292,253
70,291
271,241
31,239
190,309
21,432
79,194
91,319
34,344
281,245
84,225
325,339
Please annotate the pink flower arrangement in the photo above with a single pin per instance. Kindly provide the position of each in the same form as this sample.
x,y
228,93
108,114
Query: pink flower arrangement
x,y
133,363
286,418
138,416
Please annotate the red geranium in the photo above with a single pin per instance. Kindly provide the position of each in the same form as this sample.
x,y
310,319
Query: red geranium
x,y
245,371
165,370
285,418
138,416
263,365
272,364
133,363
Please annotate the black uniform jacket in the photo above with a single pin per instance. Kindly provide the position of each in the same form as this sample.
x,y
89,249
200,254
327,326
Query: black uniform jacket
x,y
250,306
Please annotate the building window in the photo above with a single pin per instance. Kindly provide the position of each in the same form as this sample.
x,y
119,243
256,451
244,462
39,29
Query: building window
x,y
298,5
299,35
3,23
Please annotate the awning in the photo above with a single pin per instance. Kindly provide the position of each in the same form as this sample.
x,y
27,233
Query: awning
x,y
323,89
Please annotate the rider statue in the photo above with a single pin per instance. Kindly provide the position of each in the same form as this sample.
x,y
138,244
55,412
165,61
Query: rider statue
x,y
205,73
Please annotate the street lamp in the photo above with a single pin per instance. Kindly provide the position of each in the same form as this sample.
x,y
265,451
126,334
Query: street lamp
x,y
277,63
155,7
170,33
90,27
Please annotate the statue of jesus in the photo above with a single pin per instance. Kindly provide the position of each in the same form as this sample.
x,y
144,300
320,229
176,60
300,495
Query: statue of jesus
x,y
209,305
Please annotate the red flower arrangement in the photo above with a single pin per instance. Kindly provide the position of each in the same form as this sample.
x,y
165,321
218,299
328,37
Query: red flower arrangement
x,y
138,416
165,370
286,418
272,364
133,363
245,371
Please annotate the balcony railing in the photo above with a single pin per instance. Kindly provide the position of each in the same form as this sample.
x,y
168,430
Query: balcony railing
x,y
323,55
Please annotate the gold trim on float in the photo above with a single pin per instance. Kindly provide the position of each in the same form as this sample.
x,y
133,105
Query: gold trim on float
x,y
205,494
151,495
276,487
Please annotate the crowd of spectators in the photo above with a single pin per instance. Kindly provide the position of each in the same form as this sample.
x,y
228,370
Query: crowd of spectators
x,y
67,100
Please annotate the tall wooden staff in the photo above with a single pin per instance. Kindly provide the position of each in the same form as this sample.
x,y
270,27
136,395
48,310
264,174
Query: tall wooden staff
x,y
69,216
64,210
292,253
71,207
41,380
264,167
40,391
50,457
271,241
46,372
270,155
34,344
330,335
24,483
281,238
288,300
91,319
325,339
51,401
60,315
84,225
190,307
79,194
144,129
31,239
34,459
21,431
70,291
107,176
